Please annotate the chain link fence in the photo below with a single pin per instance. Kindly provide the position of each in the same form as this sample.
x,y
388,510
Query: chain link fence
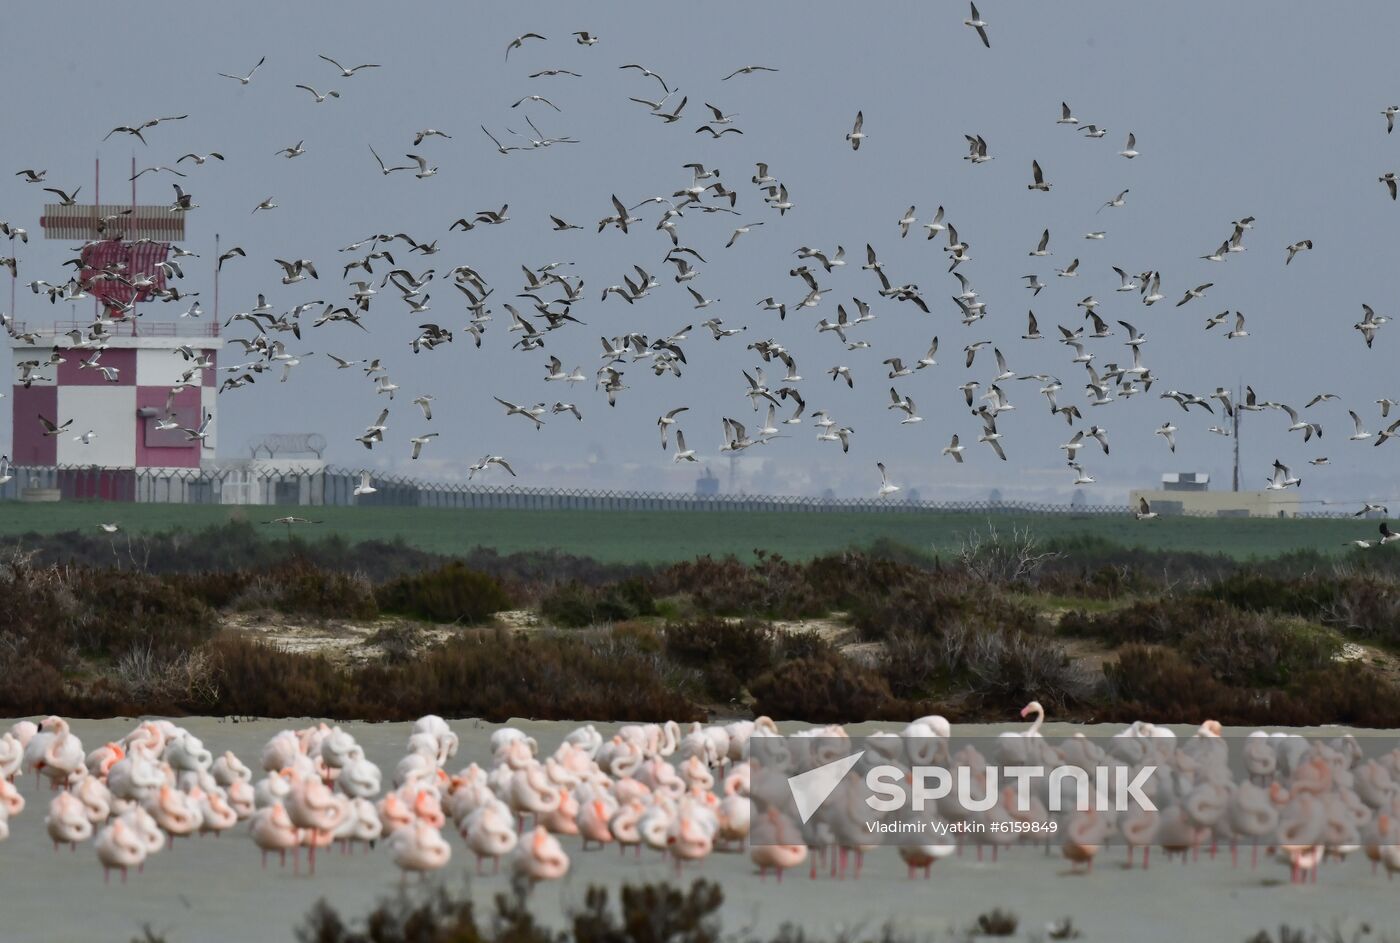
x,y
331,486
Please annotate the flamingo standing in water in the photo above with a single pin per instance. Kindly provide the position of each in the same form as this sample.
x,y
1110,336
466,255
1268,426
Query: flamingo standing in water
x,y
11,802
689,838
1139,829
1387,845
100,761
272,830
313,807
1252,815
119,847
782,846
625,825
595,820
419,847
361,826
540,857
67,822
490,833
1083,838
175,813
54,752
1300,832
11,756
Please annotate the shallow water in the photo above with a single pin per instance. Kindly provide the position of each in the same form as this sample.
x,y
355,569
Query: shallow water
x,y
214,889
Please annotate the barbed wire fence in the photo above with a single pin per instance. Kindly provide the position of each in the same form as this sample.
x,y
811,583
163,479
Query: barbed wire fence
x,y
253,484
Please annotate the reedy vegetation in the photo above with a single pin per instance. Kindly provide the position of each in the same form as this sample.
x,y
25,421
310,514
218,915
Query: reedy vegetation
x,y
1188,635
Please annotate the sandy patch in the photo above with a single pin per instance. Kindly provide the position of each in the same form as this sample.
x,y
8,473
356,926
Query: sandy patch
x,y
342,641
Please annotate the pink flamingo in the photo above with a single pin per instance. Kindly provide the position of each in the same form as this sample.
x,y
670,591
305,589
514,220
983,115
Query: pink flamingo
x,y
67,822
781,848
272,830
119,847
540,858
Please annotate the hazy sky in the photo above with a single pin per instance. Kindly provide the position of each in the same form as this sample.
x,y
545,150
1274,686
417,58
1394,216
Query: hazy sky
x,y
1246,108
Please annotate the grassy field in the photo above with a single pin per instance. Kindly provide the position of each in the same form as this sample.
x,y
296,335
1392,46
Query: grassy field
x,y
664,536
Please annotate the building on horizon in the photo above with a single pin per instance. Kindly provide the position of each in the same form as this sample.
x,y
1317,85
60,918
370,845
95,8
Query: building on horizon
x,y
1189,493
116,390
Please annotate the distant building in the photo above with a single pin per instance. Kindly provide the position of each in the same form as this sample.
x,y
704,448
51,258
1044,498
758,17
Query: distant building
x,y
1189,493
1185,481
122,407
707,484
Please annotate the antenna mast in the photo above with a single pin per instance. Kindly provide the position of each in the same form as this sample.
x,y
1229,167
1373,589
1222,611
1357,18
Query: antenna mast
x,y
1238,400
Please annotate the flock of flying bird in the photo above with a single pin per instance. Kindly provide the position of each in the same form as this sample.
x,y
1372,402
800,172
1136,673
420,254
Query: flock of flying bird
x,y
552,298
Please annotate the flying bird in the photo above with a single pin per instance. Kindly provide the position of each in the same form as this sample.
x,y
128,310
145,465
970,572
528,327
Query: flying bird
x,y
245,79
346,73
857,135
519,41
976,22
747,70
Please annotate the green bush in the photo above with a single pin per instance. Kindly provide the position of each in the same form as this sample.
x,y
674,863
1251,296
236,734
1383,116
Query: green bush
x,y
929,608
830,689
1235,646
772,587
450,593
727,653
1259,592
575,605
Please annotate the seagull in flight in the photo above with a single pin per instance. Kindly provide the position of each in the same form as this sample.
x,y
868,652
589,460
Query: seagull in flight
x,y
857,135
886,488
519,41
976,22
245,79
649,74
748,70
537,98
346,73
385,170
486,462
318,96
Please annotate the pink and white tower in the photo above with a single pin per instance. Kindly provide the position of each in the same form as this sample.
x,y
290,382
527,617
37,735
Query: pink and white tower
x,y
145,359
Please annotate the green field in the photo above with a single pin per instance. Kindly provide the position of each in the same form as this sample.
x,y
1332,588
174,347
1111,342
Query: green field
x,y
663,536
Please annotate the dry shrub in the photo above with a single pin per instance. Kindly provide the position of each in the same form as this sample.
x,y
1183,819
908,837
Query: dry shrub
x,y
647,913
997,922
928,610
1237,647
772,587
399,643
1162,686
829,689
451,593
1009,667
1367,608
575,605
257,680
488,674
728,654
1003,557
186,678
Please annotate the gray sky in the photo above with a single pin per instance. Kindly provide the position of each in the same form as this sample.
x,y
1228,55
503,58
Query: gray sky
x,y
1239,109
